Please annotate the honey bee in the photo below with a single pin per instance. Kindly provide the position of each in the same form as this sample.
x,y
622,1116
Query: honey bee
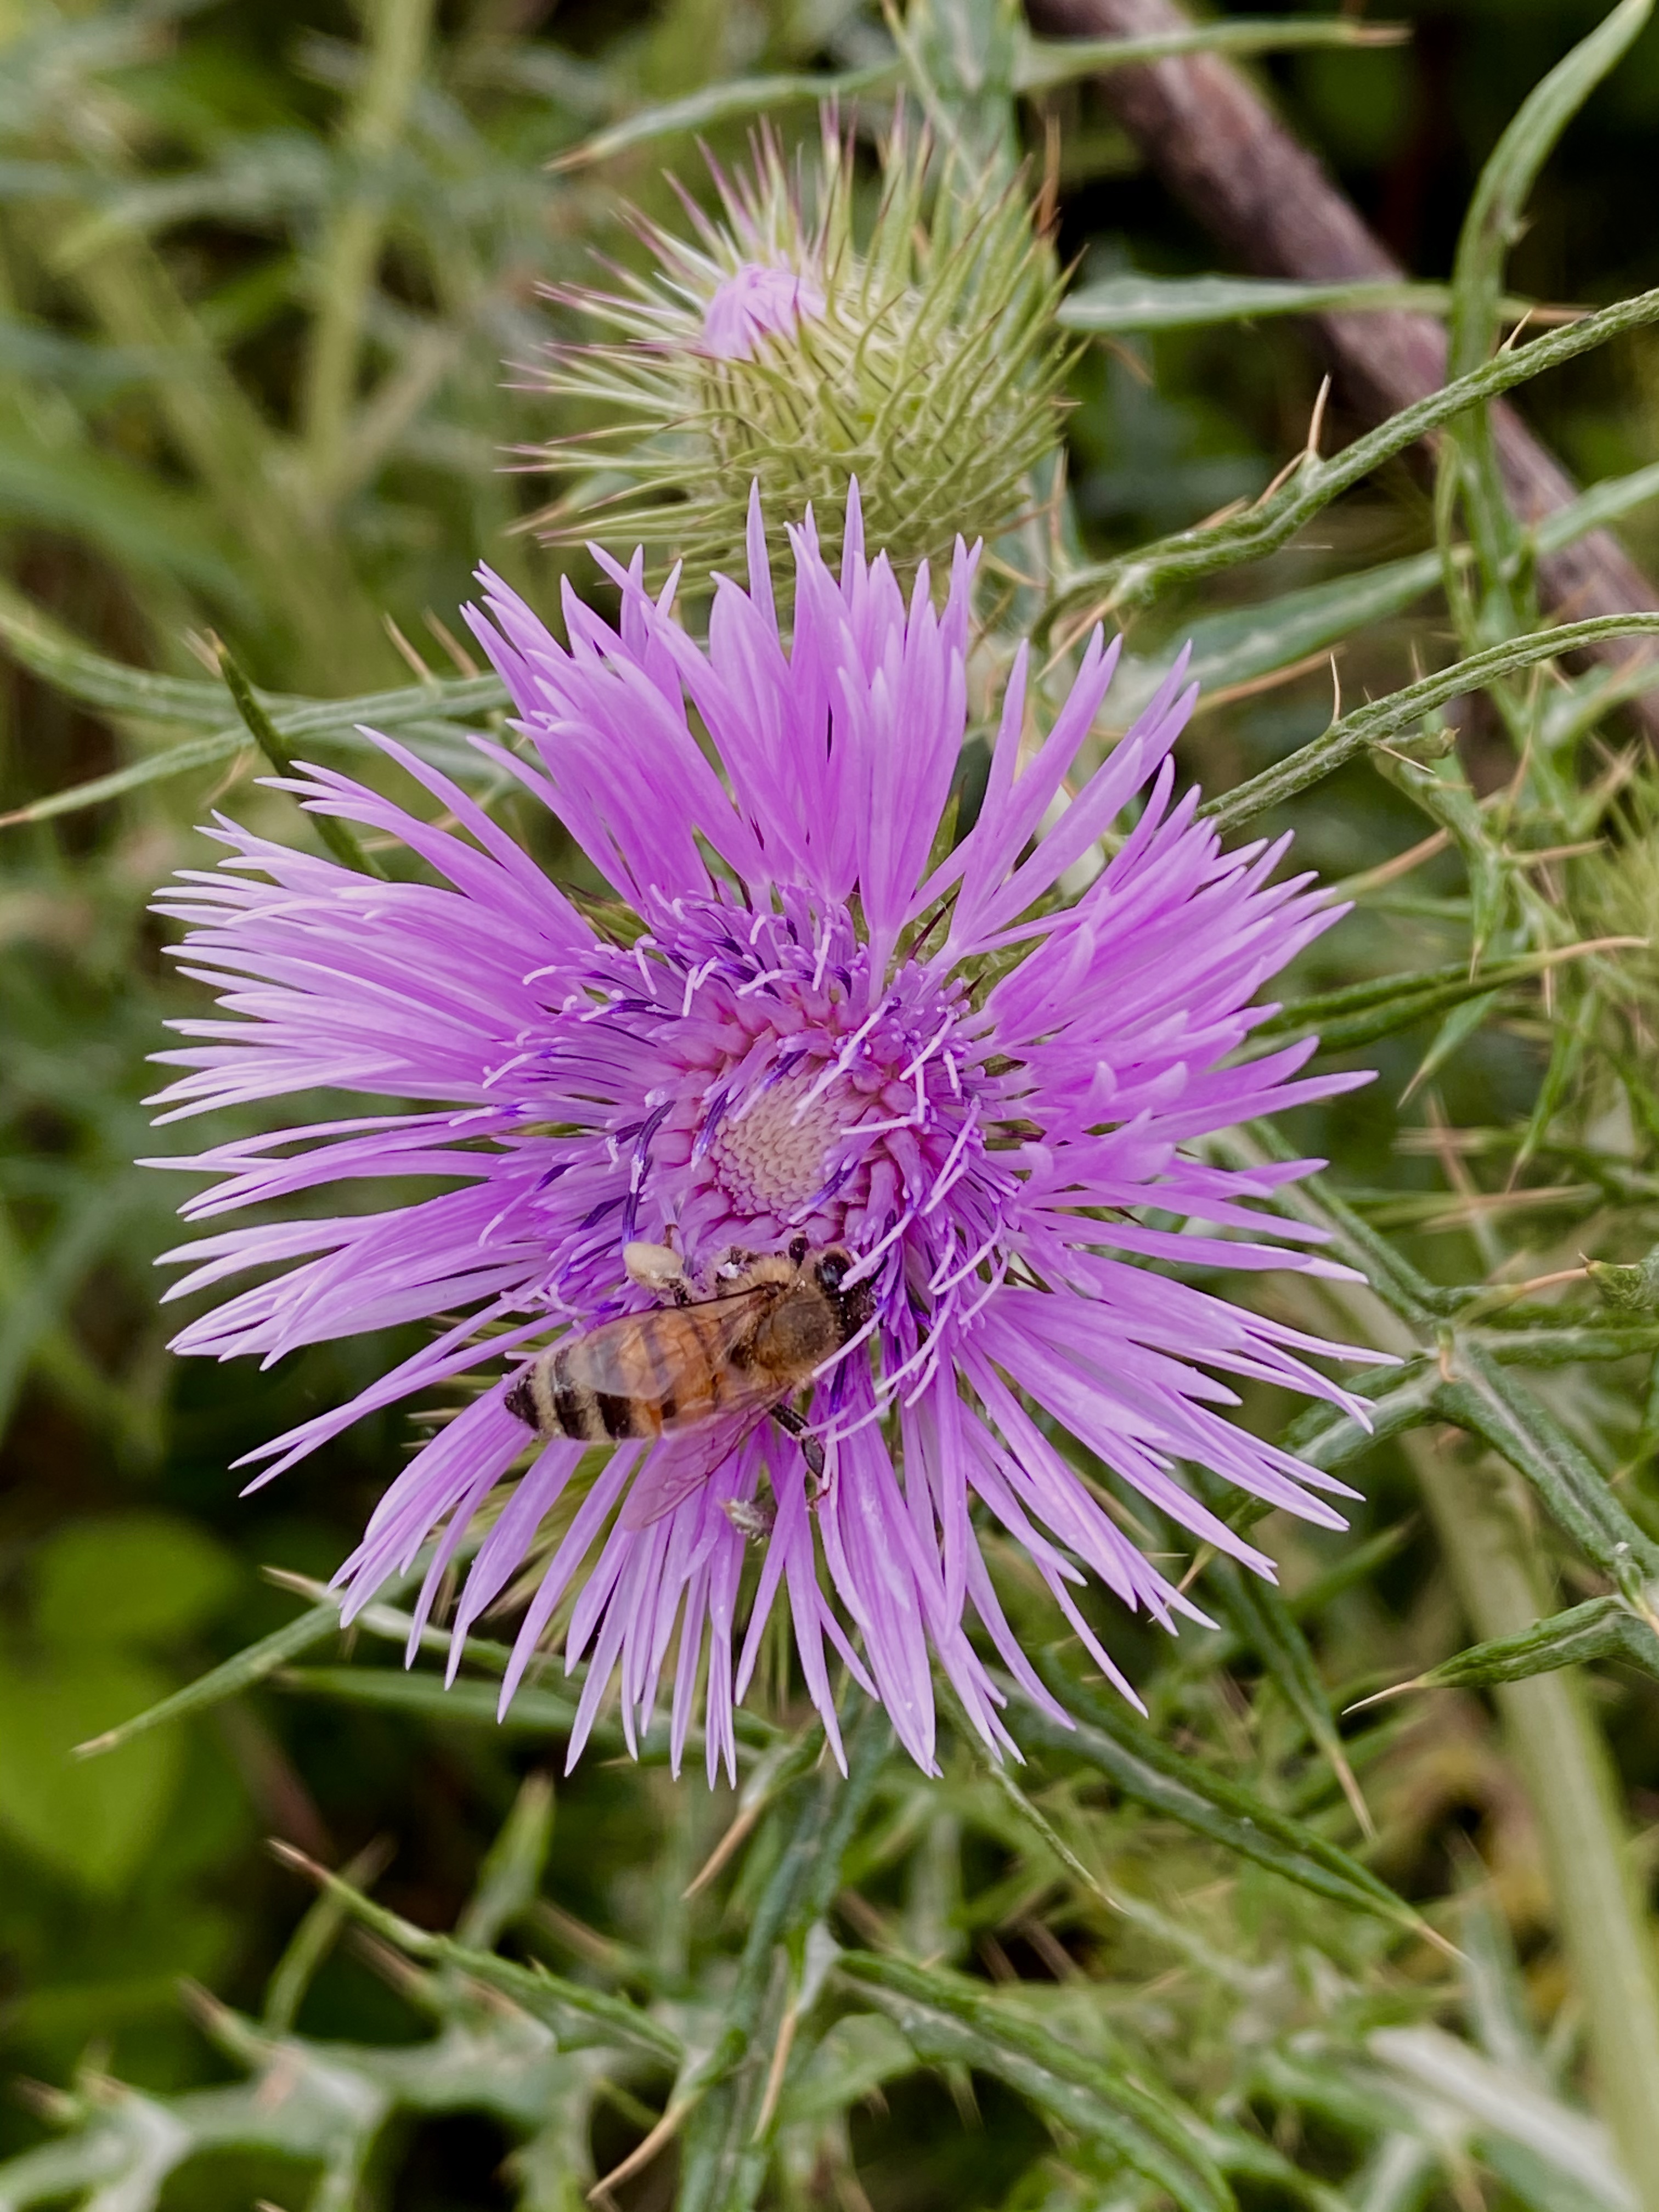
x,y
704,1372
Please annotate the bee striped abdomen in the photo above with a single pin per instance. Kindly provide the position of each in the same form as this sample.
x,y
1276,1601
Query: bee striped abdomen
x,y
743,1351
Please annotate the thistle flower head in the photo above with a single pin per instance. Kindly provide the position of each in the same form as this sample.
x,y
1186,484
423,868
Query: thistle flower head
x,y
822,1024
785,343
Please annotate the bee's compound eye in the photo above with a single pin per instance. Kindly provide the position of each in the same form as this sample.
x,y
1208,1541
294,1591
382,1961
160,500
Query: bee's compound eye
x,y
798,1249
834,1269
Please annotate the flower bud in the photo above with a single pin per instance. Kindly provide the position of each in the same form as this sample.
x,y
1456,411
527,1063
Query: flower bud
x,y
785,343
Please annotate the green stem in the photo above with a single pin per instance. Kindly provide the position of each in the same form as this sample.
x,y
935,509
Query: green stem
x,y
1398,714
1479,1515
1138,577
341,840
399,32
1571,1784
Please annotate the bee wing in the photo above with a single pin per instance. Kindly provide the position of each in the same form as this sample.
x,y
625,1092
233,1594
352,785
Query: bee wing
x,y
606,1361
682,1461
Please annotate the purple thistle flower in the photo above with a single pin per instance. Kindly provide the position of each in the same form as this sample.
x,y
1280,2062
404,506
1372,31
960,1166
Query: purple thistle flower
x,y
758,301
820,1032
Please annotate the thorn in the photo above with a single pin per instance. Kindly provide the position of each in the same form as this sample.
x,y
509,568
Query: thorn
x,y
298,1862
451,644
1352,1792
1394,1690
1508,345
1316,422
406,653
774,2073
723,1849
667,2128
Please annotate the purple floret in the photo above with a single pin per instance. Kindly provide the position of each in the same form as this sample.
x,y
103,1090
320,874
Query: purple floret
x,y
980,1087
757,301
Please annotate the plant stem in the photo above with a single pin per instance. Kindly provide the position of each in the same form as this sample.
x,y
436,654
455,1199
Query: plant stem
x,y
1482,1525
1480,1511
397,34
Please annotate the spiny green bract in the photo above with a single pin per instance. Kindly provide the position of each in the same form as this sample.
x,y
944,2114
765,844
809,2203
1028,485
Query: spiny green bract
x,y
924,361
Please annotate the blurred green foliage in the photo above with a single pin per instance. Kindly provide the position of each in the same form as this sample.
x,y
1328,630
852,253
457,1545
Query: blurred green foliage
x,y
261,266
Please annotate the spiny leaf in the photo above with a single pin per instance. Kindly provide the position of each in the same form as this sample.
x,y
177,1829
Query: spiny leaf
x,y
1137,578
1039,64
1602,1628
946,2018
580,2016
726,2154
1481,1396
1137,301
425,1696
228,1679
1398,714
1360,1013
1147,1769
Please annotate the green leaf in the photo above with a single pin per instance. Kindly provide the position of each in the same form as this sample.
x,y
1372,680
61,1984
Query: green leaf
x,y
93,1825
1604,502
432,716
1498,208
580,2017
1360,1013
1135,578
1484,1398
541,1712
39,642
856,2056
129,1578
946,2020
1397,1399
1399,713
1038,65
1241,643
1265,1624
726,2149
513,1866
1045,61
1149,1771
337,835
228,1679
311,1943
1492,224
1602,1628
1137,301
728,102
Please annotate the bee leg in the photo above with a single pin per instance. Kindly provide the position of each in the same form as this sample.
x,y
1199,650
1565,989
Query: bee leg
x,y
811,1449
736,1264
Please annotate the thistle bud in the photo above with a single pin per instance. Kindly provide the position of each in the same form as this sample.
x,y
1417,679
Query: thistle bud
x,y
782,341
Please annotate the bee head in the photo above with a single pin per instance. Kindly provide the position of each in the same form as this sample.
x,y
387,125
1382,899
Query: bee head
x,y
855,1306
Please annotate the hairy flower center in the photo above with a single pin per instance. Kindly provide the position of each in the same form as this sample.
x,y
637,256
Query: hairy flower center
x,y
772,1158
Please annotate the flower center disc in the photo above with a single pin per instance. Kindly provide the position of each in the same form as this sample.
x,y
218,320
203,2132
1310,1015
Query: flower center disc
x,y
768,1160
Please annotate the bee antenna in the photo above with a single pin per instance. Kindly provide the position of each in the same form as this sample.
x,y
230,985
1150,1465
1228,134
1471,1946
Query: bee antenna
x,y
798,1249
